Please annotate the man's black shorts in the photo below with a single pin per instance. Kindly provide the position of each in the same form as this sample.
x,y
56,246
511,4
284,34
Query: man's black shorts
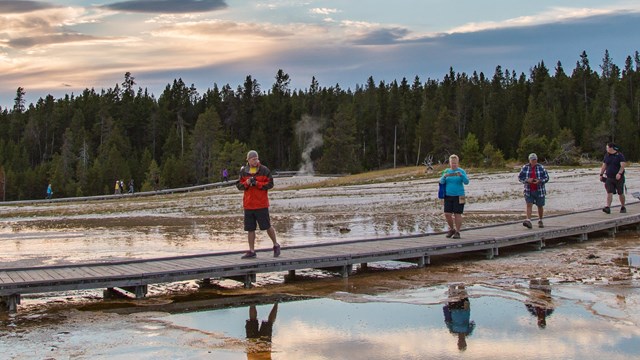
x,y
452,205
258,217
614,186
265,331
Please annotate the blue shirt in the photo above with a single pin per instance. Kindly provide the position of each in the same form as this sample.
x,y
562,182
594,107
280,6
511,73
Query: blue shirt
x,y
455,184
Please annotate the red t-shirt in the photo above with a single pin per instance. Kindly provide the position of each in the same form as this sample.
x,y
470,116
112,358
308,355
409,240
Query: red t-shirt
x,y
532,186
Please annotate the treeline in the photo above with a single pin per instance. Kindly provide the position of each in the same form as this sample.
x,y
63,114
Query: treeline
x,y
83,143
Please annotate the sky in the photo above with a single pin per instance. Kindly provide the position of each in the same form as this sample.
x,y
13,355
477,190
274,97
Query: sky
x,y
64,47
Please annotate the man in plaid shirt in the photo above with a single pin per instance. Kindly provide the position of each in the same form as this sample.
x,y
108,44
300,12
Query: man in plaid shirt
x,y
534,176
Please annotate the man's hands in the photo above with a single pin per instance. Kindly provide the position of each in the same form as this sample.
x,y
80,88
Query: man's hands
x,y
533,181
251,181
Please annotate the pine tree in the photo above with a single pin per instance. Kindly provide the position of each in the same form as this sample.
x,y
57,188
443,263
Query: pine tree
x,y
340,148
471,151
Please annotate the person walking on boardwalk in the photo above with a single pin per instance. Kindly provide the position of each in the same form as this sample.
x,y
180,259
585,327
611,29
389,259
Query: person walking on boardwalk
x,y
454,179
255,180
49,191
225,175
613,166
534,176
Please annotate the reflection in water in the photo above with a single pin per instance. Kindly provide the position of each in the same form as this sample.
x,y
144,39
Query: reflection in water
x,y
259,346
634,259
329,329
406,324
457,314
540,304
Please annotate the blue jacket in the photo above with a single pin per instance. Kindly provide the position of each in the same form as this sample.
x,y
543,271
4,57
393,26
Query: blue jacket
x,y
455,184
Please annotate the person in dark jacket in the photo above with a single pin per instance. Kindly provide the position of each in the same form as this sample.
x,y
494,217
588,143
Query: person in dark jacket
x,y
255,180
612,175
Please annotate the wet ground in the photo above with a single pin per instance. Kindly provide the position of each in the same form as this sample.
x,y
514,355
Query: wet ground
x,y
588,308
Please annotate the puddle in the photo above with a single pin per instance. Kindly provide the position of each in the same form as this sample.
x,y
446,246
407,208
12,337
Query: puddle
x,y
634,259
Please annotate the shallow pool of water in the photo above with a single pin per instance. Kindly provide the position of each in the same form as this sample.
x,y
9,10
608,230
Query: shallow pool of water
x,y
414,325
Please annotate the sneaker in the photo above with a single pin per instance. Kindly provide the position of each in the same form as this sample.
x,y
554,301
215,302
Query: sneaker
x,y
456,235
540,224
606,210
450,233
527,224
276,250
248,255
623,210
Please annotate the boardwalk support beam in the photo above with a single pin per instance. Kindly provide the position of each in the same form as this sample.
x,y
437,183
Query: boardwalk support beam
x,y
346,270
11,302
423,261
540,244
491,253
139,291
247,280
291,276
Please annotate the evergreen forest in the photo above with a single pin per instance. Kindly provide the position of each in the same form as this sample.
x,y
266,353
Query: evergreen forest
x,y
82,143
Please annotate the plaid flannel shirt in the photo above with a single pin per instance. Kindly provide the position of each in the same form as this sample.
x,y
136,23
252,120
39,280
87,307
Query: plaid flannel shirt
x,y
541,173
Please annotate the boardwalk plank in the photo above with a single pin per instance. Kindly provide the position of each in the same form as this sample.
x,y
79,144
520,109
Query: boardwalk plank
x,y
5,278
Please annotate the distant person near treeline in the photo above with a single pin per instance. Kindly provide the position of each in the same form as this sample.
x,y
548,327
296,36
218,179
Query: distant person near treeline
x,y
49,192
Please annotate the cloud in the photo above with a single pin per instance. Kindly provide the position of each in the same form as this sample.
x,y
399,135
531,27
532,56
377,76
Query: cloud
x,y
323,11
20,7
167,6
33,41
381,37
26,30
553,15
209,28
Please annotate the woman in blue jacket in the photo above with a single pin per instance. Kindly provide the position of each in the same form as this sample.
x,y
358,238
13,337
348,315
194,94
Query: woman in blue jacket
x,y
454,179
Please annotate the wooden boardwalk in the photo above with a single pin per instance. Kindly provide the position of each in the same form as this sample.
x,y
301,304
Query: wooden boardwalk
x,y
135,275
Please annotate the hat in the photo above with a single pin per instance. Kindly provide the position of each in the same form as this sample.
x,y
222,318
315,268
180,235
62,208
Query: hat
x,y
252,154
533,156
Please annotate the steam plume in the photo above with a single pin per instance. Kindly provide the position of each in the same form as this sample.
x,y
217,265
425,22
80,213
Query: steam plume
x,y
309,138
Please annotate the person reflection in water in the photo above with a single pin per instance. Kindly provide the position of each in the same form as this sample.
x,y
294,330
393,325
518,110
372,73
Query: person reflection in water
x,y
539,303
259,335
457,313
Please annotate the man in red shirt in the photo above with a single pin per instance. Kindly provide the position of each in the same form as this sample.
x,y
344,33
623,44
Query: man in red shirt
x,y
255,180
